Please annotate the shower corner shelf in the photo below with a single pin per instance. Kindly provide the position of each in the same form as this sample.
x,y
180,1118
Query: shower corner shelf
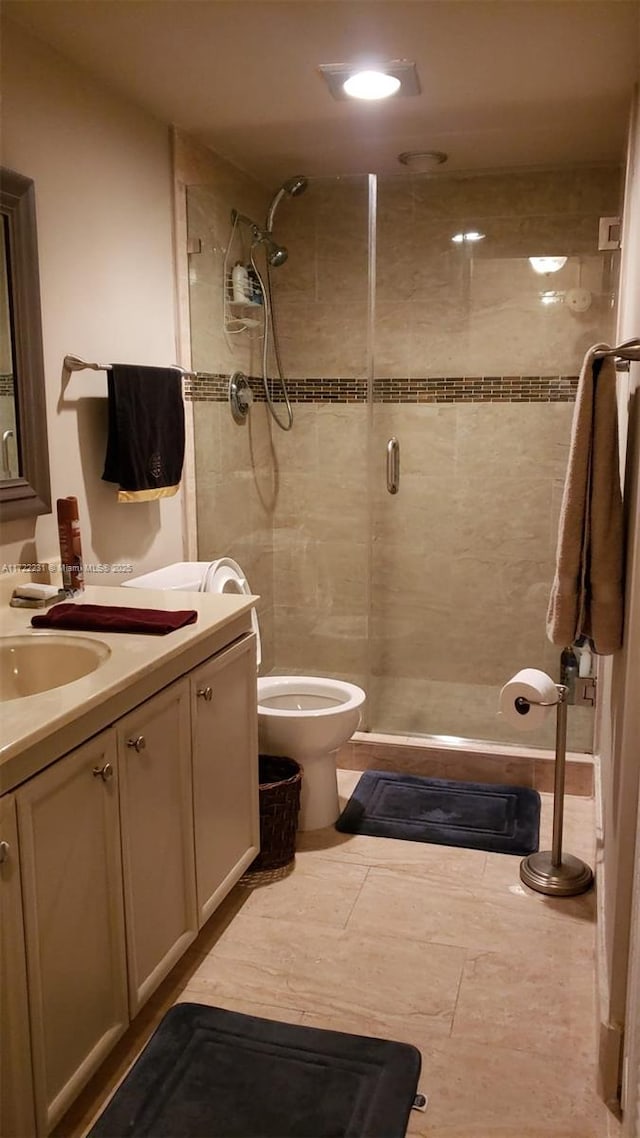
x,y
243,316
240,316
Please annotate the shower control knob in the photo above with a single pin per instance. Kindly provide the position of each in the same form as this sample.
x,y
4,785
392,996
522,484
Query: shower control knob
x,y
240,396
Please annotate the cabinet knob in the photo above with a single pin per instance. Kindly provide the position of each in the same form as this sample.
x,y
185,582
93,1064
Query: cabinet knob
x,y
205,693
138,743
105,772
5,850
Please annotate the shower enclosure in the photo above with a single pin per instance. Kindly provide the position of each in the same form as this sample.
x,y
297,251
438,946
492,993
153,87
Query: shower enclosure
x,y
394,324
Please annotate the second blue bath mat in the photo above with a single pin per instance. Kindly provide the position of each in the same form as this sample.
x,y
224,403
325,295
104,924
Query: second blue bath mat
x,y
477,815
210,1073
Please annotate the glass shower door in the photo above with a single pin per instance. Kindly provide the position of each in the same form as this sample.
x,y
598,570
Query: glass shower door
x,y
476,358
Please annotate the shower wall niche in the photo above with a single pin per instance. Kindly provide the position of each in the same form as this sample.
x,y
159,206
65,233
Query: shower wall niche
x,y
431,598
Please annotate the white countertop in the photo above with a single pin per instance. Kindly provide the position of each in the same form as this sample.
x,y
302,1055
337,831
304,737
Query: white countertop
x,y
36,729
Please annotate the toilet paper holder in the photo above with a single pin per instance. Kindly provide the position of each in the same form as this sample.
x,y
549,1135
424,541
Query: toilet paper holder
x,y
553,872
522,704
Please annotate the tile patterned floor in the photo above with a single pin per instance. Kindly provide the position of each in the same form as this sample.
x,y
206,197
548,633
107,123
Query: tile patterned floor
x,y
440,947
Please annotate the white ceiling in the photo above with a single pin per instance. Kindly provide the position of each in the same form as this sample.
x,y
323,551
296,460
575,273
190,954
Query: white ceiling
x,y
504,82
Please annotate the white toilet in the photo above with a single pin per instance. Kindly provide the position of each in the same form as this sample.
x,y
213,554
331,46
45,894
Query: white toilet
x,y
304,717
308,719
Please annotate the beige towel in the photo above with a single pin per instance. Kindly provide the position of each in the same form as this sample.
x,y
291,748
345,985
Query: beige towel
x,y
587,593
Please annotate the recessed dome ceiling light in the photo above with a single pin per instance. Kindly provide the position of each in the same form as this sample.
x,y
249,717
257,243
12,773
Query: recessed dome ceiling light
x,y
422,160
399,76
547,264
371,85
471,236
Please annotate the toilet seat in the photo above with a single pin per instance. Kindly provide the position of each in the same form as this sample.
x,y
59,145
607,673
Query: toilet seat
x,y
309,696
225,576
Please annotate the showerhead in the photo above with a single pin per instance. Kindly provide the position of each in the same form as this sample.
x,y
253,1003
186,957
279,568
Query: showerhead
x,y
276,254
293,187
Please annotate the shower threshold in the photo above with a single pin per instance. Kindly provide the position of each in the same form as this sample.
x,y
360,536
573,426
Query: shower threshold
x,y
466,760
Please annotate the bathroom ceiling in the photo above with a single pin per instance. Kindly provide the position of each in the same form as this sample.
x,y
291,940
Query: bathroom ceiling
x,y
505,83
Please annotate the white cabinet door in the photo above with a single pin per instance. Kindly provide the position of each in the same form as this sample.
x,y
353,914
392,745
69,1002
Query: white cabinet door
x,y
17,1115
73,913
154,744
225,771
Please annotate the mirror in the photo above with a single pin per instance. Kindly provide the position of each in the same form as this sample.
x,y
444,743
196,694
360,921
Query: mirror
x,y
24,452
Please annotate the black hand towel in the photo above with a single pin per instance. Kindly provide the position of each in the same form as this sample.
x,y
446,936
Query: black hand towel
x,y
145,446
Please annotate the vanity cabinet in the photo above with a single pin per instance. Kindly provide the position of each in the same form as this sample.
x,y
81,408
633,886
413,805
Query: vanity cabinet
x,y
154,754
127,844
225,771
69,830
17,1118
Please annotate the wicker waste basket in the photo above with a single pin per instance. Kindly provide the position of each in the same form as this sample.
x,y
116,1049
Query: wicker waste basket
x,y
280,782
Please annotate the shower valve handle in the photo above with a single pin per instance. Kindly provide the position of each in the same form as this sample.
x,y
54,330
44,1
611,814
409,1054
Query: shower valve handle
x,y
240,396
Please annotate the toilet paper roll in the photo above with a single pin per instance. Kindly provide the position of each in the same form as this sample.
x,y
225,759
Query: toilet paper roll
x,y
534,686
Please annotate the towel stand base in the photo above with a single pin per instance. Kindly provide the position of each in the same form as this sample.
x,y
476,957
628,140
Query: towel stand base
x,y
552,872
569,878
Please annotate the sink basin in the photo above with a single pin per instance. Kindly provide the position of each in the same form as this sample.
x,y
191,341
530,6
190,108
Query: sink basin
x,y
40,661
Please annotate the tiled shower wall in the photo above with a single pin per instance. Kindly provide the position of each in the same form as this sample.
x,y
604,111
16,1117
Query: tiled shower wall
x,y
474,374
235,480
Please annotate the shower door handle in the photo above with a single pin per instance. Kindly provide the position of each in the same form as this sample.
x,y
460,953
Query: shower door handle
x,y
393,466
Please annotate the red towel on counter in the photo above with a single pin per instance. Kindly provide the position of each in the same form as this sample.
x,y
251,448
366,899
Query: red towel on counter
x,y
114,618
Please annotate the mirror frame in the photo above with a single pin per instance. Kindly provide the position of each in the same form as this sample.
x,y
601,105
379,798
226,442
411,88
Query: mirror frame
x,y
30,493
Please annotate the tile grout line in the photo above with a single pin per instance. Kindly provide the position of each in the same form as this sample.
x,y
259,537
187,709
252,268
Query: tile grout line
x,y
357,896
460,978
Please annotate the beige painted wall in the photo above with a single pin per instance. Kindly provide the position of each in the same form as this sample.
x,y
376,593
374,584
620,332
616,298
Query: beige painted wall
x,y
102,173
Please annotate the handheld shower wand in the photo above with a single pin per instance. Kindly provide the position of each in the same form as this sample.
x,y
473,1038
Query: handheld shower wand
x,y
293,187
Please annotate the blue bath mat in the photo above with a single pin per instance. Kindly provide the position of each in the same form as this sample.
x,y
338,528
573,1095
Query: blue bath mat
x,y
477,815
210,1073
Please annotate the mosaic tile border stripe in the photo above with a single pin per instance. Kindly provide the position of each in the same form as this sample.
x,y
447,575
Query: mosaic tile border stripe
x,y
478,389
6,385
212,387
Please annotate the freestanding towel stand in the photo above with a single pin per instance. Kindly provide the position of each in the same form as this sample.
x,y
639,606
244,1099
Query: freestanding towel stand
x,y
551,871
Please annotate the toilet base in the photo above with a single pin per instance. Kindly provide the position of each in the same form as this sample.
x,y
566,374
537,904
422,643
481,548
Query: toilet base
x,y
319,801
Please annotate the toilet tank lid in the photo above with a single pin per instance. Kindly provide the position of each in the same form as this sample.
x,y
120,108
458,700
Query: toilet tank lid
x,y
185,575
225,576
